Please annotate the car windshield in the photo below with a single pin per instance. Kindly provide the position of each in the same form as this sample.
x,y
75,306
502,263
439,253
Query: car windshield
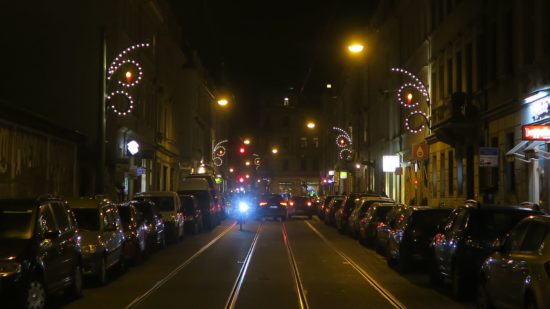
x,y
87,218
16,223
428,220
381,212
188,205
271,198
490,225
164,203
146,210
125,215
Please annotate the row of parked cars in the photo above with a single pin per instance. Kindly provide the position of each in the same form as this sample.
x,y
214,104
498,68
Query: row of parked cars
x,y
51,244
497,255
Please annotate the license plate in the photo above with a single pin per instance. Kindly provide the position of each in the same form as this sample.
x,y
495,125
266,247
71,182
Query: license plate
x,y
273,206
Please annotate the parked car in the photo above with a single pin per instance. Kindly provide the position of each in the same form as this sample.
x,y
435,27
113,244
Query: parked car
x,y
373,218
322,207
272,205
169,205
156,238
135,232
102,236
467,239
410,240
40,251
335,204
517,275
342,214
193,214
362,205
200,189
214,192
301,206
383,228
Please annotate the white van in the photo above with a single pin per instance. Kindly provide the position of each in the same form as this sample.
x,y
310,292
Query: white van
x,y
169,205
200,189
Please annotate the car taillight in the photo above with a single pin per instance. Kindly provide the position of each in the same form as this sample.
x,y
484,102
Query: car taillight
x,y
379,225
263,203
291,203
547,268
308,203
283,203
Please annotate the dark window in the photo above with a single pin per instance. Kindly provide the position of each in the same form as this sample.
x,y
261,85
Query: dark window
x,y
60,216
17,223
481,61
536,233
442,174
434,176
441,73
492,56
510,166
469,70
433,85
450,76
316,142
490,225
125,215
459,71
46,219
451,168
495,174
303,142
87,218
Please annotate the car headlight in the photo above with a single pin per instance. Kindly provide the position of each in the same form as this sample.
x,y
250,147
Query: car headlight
x,y
89,248
9,268
243,207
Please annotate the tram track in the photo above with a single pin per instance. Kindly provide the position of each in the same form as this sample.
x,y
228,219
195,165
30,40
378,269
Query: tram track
x,y
300,291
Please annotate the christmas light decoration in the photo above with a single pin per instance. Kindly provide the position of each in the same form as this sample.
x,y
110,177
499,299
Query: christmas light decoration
x,y
406,100
218,152
130,105
343,141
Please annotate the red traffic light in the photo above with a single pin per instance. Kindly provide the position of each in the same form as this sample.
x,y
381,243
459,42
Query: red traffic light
x,y
241,179
242,150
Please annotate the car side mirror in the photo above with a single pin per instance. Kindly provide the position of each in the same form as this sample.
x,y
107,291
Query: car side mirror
x,y
51,234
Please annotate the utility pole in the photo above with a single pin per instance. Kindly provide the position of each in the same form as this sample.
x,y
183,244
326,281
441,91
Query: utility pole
x,y
102,117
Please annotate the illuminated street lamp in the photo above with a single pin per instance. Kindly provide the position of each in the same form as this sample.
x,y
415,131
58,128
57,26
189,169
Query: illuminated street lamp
x,y
246,141
310,125
247,163
274,150
223,102
231,170
355,48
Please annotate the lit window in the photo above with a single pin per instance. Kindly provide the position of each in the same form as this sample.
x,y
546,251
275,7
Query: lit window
x,y
303,142
286,102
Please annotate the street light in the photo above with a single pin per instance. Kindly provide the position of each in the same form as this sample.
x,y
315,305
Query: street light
x,y
223,102
311,125
274,150
247,163
355,48
246,141
231,170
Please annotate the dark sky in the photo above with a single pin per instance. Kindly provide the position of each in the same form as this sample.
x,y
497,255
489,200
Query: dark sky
x,y
253,46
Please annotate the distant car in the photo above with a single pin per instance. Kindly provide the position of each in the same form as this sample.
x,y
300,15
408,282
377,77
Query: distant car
x,y
323,205
200,188
39,251
362,205
302,206
375,217
341,216
214,192
467,239
272,205
193,214
135,232
335,204
102,236
410,240
156,238
517,275
383,228
169,205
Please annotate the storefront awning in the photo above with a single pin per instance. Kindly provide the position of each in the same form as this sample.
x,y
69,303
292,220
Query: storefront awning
x,y
520,148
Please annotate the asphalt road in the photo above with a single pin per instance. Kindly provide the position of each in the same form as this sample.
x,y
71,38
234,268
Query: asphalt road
x,y
299,263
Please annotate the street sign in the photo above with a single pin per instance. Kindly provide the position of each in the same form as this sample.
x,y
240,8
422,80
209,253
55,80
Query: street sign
x,y
488,156
420,151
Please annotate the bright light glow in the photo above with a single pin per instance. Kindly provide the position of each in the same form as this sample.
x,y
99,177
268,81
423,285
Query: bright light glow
x,y
128,75
536,96
357,166
133,147
243,206
329,86
246,141
343,175
247,176
242,150
331,173
231,170
311,125
409,97
390,163
201,170
241,179
356,48
274,150
259,180
223,102
247,163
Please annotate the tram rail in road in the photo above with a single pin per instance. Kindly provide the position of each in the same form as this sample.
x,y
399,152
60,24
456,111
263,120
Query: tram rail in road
x,y
302,299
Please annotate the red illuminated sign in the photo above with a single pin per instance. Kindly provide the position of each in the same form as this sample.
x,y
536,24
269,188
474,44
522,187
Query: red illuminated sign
x,y
536,132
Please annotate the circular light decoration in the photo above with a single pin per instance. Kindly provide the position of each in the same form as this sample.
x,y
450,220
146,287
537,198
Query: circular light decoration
x,y
343,141
117,110
405,97
218,152
129,81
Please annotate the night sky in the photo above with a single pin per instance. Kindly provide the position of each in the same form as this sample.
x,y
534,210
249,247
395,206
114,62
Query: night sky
x,y
253,46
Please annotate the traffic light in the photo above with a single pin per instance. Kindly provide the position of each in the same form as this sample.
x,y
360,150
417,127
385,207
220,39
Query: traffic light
x,y
241,179
242,150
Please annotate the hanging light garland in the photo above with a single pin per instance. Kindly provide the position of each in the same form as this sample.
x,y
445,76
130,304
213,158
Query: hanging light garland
x,y
343,141
132,79
257,161
218,152
406,100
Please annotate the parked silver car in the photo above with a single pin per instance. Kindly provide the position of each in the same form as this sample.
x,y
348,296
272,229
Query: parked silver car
x,y
518,274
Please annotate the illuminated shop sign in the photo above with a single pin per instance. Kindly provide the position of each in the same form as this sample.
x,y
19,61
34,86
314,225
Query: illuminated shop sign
x,y
536,132
390,163
539,108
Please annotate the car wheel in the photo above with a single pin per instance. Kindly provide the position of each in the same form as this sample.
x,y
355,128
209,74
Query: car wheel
x,y
76,287
483,301
35,294
102,274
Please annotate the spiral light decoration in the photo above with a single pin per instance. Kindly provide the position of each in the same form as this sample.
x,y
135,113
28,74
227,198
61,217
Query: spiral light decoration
x,y
218,152
343,141
419,87
257,160
122,60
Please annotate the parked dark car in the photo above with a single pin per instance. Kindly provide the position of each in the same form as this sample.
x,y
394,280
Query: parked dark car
x,y
272,205
135,232
192,214
322,207
467,239
341,216
331,209
383,228
369,223
302,206
169,205
206,204
410,240
362,205
517,275
102,236
40,251
156,237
